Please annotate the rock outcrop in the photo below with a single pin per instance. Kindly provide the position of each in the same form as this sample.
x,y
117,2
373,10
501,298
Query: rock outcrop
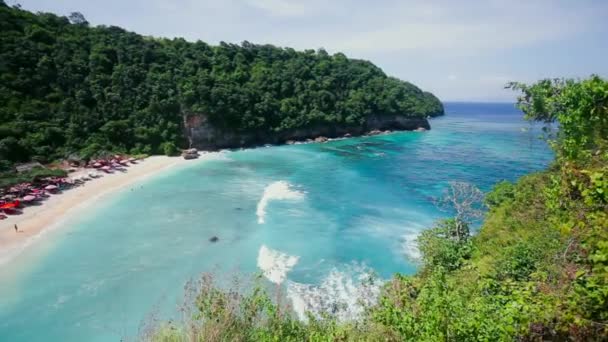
x,y
191,153
203,135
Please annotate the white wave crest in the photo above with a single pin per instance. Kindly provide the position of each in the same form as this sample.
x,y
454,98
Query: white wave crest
x,y
409,245
345,295
275,264
223,155
280,190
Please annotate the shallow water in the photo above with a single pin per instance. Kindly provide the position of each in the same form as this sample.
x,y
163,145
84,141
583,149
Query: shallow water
x,y
340,210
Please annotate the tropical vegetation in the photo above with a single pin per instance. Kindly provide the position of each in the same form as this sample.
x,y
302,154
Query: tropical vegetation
x,y
67,88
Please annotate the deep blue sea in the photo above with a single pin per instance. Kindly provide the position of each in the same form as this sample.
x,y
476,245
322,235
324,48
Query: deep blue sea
x,y
330,213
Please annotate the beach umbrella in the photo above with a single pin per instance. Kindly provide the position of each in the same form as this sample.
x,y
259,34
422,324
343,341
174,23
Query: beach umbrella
x,y
50,187
10,205
28,198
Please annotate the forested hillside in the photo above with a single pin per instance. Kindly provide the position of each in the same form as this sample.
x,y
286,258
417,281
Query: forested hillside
x,y
537,270
69,88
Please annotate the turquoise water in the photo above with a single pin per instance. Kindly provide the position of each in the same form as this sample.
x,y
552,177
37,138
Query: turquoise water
x,y
345,208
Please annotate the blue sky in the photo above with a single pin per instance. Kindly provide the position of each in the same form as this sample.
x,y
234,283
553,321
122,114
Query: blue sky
x,y
459,50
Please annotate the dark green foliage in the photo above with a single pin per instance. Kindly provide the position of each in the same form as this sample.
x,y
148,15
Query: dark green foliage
x,y
169,149
443,247
66,87
579,107
10,178
502,192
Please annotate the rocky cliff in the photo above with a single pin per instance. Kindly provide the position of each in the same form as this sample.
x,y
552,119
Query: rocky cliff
x,y
203,135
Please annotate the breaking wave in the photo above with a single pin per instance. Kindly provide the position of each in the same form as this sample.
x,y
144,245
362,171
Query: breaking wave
x,y
342,294
275,264
409,245
280,190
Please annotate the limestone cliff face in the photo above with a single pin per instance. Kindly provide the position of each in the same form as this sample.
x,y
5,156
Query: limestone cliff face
x,y
203,135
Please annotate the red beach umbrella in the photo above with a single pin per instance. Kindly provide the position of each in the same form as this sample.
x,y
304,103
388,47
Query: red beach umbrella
x,y
10,205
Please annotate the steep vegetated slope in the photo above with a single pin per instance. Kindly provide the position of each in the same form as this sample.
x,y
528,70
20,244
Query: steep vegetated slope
x,y
69,88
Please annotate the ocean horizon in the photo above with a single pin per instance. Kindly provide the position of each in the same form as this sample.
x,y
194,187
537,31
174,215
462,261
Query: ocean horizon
x,y
332,214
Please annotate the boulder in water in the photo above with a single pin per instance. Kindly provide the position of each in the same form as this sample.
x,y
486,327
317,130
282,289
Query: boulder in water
x,y
321,139
214,239
191,153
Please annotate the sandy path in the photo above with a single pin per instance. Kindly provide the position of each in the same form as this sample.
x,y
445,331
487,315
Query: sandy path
x,y
35,219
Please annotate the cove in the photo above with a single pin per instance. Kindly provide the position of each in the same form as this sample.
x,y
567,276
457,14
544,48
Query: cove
x,y
344,208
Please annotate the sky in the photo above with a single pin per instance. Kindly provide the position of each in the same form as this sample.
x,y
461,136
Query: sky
x,y
463,50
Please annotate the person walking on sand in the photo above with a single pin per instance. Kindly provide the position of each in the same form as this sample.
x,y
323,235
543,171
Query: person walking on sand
x,y
16,228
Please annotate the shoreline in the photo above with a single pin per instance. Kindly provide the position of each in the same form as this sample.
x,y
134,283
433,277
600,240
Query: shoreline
x,y
34,221
253,141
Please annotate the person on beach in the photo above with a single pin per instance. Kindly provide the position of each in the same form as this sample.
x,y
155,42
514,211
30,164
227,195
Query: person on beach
x,y
16,228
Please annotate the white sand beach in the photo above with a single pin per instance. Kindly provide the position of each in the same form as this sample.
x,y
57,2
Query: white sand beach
x,y
35,219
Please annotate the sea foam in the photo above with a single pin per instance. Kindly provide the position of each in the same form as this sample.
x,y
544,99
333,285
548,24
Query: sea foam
x,y
409,245
275,264
276,191
344,294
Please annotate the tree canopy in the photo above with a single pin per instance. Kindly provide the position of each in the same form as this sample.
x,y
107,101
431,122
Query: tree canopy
x,y
66,87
